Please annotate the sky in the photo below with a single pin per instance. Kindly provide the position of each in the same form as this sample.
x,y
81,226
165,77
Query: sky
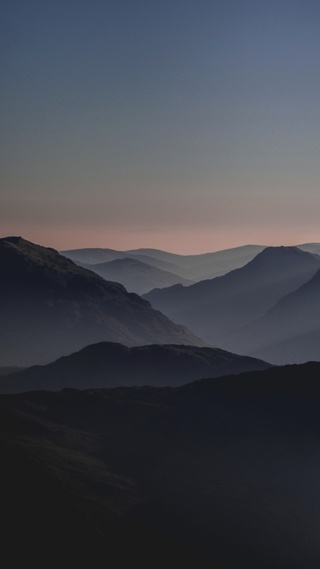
x,y
184,125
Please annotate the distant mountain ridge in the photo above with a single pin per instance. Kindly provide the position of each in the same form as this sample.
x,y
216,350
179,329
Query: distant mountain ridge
x,y
310,247
217,308
136,276
51,307
191,267
112,365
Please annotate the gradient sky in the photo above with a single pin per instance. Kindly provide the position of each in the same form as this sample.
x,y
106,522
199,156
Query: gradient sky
x,y
189,126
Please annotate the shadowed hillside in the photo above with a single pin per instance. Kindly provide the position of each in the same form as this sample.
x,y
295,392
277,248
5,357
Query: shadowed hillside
x,y
112,365
51,307
290,331
216,308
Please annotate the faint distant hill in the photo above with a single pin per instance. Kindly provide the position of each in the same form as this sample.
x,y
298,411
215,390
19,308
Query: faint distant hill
x,y
136,276
310,247
191,267
290,331
51,307
206,265
220,473
94,256
218,307
113,365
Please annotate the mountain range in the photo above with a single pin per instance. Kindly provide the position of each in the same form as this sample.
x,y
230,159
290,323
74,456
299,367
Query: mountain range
x,y
142,442
51,307
135,275
190,267
221,473
267,309
111,365
219,309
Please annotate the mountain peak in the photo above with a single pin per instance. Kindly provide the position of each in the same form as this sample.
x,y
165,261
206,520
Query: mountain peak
x,y
282,254
12,239
280,250
24,246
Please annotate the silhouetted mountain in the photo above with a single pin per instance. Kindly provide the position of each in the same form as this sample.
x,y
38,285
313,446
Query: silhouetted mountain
x,y
190,267
50,307
290,331
134,275
113,365
221,473
218,307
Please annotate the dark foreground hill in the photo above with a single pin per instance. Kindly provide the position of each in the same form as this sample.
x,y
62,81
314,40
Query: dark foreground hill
x,y
112,365
50,307
221,473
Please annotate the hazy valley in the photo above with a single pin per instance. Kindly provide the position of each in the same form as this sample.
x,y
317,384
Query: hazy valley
x,y
227,310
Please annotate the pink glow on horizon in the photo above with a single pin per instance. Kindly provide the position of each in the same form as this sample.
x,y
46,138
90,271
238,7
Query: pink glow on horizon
x,y
193,241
